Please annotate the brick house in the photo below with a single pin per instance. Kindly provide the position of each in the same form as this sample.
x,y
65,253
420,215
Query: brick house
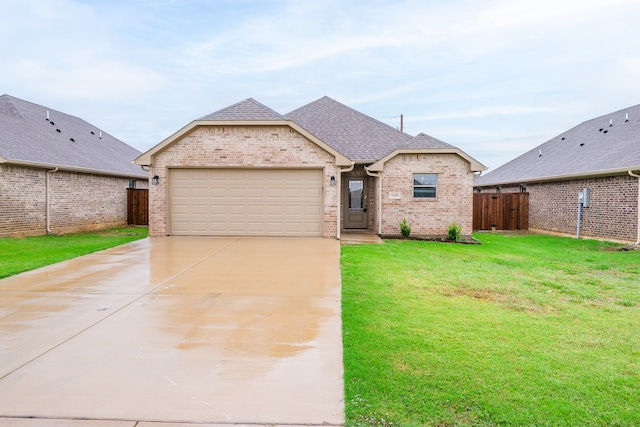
x,y
59,173
320,170
601,154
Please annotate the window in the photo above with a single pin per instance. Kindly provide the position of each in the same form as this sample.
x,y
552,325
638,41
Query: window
x,y
424,185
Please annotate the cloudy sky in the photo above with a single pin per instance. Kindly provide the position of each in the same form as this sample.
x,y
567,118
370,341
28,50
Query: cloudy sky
x,y
493,77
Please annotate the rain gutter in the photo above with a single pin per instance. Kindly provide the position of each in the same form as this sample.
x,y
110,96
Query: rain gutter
x,y
638,213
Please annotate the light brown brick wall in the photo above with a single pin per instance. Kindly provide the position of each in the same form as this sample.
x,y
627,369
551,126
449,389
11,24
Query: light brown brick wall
x,y
454,201
22,200
241,146
77,201
612,212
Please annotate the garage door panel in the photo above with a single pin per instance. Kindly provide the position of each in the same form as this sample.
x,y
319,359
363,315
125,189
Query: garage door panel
x,y
274,202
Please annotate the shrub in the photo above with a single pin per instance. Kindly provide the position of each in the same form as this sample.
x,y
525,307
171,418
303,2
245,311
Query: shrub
x,y
454,231
405,229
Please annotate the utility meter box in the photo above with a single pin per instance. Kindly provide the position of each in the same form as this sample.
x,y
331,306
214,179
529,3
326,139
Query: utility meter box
x,y
583,197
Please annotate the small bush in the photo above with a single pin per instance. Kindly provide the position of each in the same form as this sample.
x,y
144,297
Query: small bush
x,y
454,232
405,229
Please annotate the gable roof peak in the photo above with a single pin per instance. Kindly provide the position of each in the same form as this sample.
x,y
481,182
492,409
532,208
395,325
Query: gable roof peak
x,y
422,140
247,110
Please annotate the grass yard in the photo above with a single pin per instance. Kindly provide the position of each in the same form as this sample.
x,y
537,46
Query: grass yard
x,y
524,330
18,255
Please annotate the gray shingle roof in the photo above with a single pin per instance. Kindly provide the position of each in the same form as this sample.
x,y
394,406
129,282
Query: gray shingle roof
x,y
607,143
422,140
351,132
249,109
63,141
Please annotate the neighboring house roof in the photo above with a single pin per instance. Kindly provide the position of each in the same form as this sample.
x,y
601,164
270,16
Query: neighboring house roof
x,y
606,145
356,135
33,135
249,109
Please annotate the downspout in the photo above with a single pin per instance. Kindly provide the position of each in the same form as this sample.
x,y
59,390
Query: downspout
x,y
637,176
48,214
339,185
379,204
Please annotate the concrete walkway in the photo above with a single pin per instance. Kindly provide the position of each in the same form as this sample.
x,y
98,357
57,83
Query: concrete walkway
x,y
178,330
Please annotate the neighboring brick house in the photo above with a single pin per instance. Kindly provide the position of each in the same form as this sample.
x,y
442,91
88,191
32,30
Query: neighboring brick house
x,y
59,173
601,154
319,170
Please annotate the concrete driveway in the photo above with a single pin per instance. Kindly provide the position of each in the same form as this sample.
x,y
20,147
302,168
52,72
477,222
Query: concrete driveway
x,y
176,329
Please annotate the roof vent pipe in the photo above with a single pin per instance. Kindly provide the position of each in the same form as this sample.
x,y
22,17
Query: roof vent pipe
x,y
47,115
100,134
626,117
610,122
540,153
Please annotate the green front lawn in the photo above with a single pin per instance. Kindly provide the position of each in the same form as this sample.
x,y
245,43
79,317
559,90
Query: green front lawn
x,y
519,331
18,255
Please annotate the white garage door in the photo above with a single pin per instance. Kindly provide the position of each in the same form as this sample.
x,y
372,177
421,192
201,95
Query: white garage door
x,y
246,202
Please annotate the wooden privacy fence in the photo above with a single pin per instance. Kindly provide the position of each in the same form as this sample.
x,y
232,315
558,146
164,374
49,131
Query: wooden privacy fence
x,y
137,206
501,211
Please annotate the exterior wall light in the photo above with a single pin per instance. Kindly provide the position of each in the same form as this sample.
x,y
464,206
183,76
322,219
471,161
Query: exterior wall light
x,y
332,181
155,180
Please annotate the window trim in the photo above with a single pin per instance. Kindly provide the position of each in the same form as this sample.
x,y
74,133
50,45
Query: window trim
x,y
434,186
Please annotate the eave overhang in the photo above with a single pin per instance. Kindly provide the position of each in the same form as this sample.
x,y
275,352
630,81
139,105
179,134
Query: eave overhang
x,y
49,166
566,177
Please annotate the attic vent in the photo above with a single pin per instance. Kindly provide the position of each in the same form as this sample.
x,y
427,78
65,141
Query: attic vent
x,y
582,144
93,133
605,131
72,140
563,138
52,123
600,130
58,130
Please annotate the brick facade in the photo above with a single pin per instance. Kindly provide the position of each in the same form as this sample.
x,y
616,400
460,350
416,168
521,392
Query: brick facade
x,y
454,201
78,201
241,147
612,212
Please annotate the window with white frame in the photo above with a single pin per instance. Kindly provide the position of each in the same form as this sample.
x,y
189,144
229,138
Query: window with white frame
x,y
425,185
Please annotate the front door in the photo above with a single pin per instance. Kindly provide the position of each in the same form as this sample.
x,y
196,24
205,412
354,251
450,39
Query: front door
x,y
355,206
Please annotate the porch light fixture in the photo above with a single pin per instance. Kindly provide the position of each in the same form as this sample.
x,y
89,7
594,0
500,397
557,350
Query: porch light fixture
x,y
332,181
155,180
